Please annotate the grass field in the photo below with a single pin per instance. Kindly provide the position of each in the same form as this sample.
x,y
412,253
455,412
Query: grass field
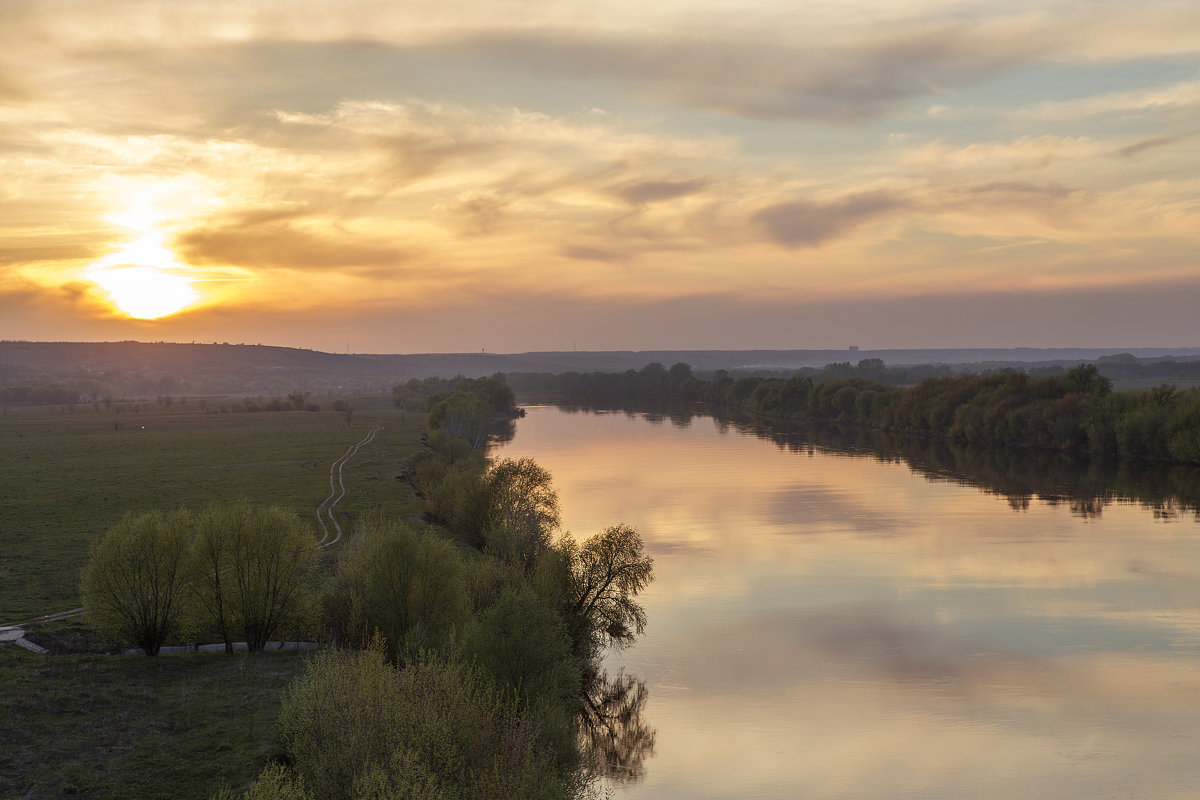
x,y
65,478
176,726
134,727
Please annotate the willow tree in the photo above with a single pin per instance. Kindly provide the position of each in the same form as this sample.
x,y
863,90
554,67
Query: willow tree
x,y
603,576
134,584
253,569
523,510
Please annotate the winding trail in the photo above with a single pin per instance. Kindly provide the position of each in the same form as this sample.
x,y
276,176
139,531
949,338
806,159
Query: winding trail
x,y
327,506
14,632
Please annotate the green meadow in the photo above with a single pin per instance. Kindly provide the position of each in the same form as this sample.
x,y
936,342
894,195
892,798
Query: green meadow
x,y
66,477
79,725
176,726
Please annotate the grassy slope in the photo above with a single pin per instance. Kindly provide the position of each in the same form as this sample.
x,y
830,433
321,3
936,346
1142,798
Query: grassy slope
x,y
175,726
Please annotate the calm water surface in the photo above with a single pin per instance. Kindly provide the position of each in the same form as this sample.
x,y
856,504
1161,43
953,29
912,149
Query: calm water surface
x,y
829,626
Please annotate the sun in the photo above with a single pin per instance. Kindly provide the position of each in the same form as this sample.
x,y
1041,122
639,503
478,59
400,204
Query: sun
x,y
143,280
146,292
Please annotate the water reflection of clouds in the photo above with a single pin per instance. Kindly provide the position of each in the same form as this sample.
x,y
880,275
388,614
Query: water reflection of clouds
x,y
792,508
857,702
842,627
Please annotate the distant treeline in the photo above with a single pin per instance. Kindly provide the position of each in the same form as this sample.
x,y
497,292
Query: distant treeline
x,y
1087,484
1120,368
55,394
423,395
1076,411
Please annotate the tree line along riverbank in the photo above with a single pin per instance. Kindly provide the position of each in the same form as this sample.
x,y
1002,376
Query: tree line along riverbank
x,y
1075,411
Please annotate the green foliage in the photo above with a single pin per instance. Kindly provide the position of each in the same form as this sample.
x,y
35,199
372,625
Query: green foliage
x,y
410,586
275,782
523,511
456,497
72,477
522,643
1070,410
344,408
236,568
356,727
44,394
463,415
538,615
254,571
423,395
603,577
134,585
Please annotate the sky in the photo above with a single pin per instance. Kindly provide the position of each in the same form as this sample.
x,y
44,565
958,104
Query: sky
x,y
449,176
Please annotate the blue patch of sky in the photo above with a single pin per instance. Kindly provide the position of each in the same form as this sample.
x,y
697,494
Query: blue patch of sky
x,y
1032,85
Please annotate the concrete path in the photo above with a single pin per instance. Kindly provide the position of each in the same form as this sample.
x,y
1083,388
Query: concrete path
x,y
14,635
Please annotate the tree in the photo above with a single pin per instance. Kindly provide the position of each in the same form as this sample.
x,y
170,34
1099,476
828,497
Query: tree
x,y
210,564
407,585
522,510
463,415
1087,379
602,578
133,586
345,409
272,560
521,642
253,569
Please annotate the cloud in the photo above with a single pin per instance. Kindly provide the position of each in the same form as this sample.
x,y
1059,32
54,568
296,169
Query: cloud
x,y
802,223
476,214
652,191
762,77
1020,189
585,253
287,246
1027,198
1153,143
410,157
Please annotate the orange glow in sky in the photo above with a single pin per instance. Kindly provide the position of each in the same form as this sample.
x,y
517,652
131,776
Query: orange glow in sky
x,y
510,177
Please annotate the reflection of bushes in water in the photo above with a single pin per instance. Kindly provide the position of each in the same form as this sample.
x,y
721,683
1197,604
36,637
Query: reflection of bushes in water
x,y
1086,484
612,734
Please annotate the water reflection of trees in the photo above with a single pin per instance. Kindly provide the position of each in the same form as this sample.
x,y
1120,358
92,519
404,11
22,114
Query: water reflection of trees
x,y
1085,484
613,736
503,431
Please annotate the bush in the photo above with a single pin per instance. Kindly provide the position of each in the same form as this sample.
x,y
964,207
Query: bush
x,y
356,727
410,586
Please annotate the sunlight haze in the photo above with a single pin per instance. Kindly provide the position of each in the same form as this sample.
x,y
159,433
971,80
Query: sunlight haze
x,y
510,176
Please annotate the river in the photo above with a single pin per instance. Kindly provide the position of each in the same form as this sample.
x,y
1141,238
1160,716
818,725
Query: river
x,y
829,624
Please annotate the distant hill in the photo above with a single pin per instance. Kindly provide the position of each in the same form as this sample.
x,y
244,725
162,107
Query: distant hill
x,y
131,369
